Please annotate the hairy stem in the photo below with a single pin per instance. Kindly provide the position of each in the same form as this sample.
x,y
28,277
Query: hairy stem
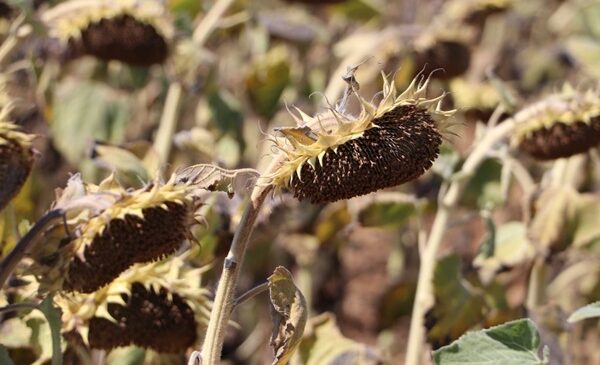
x,y
424,295
224,298
25,244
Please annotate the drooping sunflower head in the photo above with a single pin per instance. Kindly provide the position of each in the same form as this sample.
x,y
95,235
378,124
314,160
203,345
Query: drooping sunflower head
x,y
561,125
443,47
335,155
16,158
109,228
160,306
131,31
474,12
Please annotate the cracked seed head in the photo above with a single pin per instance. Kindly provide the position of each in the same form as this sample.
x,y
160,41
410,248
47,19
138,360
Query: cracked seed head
x,y
16,158
335,156
160,306
562,125
114,229
130,31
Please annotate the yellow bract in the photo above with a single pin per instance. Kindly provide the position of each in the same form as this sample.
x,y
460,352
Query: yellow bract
x,y
67,20
569,106
317,135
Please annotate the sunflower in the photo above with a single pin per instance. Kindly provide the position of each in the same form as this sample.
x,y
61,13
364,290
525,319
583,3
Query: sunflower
x,y
16,158
131,31
562,125
160,306
335,155
108,228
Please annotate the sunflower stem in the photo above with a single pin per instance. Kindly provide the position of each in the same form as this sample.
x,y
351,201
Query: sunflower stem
x,y
25,244
424,296
224,298
209,21
168,124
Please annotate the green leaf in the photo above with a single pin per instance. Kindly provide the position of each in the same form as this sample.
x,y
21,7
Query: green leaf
x,y
4,357
289,315
84,112
225,110
587,229
457,306
269,76
483,189
53,316
589,311
515,342
386,214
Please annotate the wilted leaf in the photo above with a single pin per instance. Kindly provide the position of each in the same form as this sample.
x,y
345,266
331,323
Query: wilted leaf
x,y
457,306
122,161
586,51
126,356
267,79
324,344
552,225
53,317
84,113
515,342
587,229
331,221
386,214
215,178
289,315
510,247
589,311
4,357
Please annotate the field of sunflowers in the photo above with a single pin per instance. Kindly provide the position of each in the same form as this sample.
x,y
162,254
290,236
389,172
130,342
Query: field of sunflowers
x,y
302,182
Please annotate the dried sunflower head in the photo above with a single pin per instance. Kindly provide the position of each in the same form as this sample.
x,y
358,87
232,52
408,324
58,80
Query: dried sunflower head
x,y
562,125
108,229
16,158
443,47
132,31
334,155
160,306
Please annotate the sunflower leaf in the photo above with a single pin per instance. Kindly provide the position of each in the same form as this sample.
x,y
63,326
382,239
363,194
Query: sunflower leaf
x,y
289,314
589,311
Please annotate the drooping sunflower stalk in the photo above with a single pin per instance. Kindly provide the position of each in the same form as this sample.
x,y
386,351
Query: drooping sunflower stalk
x,y
131,31
108,228
561,125
160,306
16,157
335,155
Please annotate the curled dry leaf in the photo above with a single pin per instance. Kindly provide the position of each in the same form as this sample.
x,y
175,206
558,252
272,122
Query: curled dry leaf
x,y
215,178
289,315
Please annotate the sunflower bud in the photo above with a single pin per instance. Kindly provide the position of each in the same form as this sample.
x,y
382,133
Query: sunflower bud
x,y
562,125
160,306
16,159
335,155
108,229
130,31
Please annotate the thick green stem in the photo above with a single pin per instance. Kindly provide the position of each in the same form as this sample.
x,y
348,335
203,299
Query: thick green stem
x,y
224,299
424,295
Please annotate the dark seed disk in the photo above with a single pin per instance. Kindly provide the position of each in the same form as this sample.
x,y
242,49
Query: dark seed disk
x,y
15,166
148,320
453,58
124,39
126,242
402,148
562,140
